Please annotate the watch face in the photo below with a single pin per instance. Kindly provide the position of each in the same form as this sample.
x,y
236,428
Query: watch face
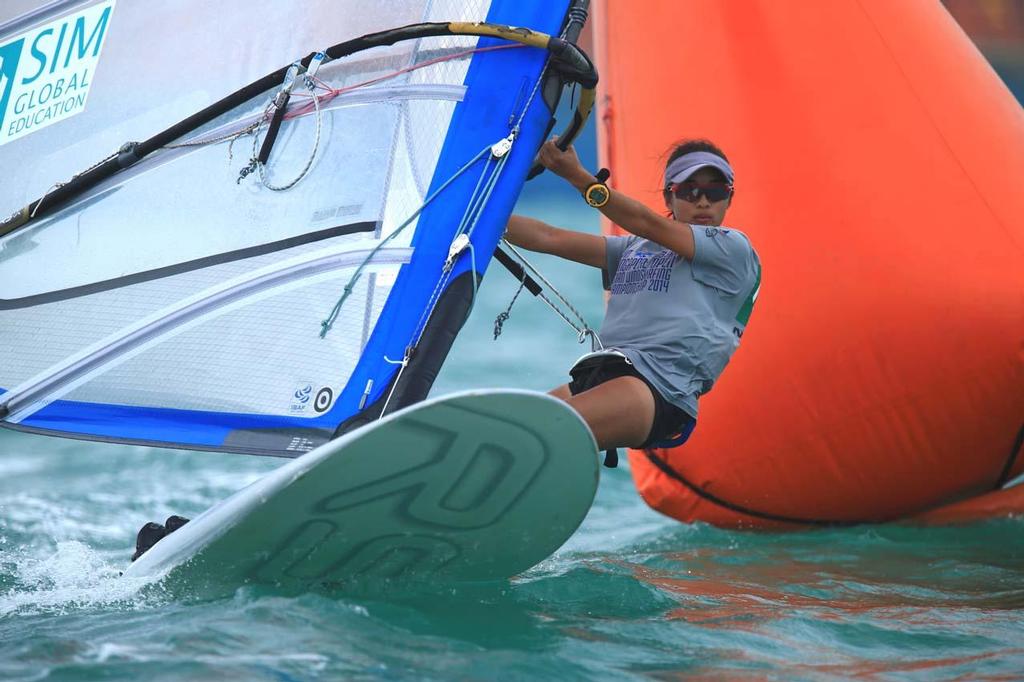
x,y
597,195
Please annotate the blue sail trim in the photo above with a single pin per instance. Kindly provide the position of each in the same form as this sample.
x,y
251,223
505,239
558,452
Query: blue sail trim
x,y
479,121
171,428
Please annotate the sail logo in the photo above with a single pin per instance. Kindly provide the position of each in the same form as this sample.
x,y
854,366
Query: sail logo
x,y
9,56
304,394
46,73
300,398
324,398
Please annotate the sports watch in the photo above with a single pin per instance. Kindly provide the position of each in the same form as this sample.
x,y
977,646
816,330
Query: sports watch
x,y
597,193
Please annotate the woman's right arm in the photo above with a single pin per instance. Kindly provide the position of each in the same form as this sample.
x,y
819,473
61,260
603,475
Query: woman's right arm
x,y
536,235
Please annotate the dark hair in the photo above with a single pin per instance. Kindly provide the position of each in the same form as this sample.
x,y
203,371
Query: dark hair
x,y
685,147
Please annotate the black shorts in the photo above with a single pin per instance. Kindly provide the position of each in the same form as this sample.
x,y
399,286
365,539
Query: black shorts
x,y
669,420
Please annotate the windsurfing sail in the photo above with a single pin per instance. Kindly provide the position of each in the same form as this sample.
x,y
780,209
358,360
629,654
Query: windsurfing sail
x,y
248,226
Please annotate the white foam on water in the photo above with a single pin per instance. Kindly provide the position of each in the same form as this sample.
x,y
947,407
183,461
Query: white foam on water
x,y
72,577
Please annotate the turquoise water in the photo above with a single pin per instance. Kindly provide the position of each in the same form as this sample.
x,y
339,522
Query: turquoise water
x,y
633,595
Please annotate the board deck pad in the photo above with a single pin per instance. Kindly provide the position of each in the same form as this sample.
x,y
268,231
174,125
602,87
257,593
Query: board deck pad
x,y
474,486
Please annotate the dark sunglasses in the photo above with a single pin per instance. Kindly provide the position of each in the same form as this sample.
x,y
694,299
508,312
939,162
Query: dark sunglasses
x,y
692,191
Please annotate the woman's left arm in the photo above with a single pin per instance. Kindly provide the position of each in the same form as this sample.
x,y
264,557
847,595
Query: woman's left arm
x,y
624,211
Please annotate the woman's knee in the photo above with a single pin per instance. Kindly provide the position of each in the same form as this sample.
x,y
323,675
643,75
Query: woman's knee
x,y
562,392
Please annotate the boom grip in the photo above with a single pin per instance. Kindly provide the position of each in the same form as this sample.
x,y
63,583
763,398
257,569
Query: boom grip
x,y
275,127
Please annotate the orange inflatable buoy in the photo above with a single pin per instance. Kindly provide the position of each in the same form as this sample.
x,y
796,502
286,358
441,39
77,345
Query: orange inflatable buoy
x,y
879,167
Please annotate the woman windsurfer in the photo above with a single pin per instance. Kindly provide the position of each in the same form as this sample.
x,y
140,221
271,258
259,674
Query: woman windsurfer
x,y
681,291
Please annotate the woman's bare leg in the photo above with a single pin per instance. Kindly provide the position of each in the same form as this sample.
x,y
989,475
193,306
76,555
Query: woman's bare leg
x,y
562,392
619,412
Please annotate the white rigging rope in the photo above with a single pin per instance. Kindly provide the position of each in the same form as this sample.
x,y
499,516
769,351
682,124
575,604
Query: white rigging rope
x,y
307,80
580,325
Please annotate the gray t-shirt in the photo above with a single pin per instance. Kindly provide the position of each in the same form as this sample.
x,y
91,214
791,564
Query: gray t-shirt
x,y
678,321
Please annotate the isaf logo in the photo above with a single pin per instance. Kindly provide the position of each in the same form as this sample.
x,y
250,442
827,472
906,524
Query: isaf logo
x,y
303,395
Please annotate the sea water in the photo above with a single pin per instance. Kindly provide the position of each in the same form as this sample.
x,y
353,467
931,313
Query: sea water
x,y
632,595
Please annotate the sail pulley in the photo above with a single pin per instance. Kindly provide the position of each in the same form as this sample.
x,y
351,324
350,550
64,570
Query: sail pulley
x,y
502,147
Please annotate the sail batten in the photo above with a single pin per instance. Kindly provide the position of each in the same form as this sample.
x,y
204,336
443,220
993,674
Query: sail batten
x,y
23,401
